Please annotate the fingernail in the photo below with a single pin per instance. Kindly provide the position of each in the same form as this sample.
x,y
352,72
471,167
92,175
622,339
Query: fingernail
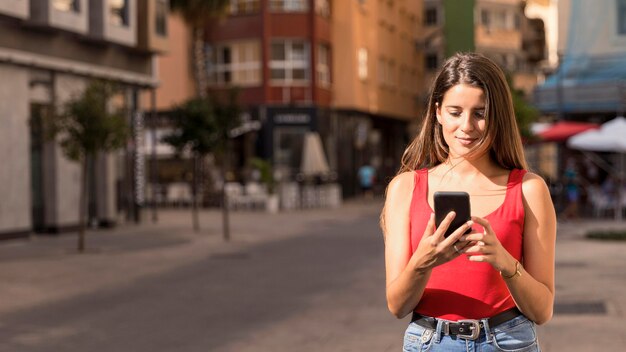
x,y
470,223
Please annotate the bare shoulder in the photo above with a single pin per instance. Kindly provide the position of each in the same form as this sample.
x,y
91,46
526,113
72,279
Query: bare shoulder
x,y
534,188
533,183
401,185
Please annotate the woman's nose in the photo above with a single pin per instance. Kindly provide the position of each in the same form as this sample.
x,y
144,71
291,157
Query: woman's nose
x,y
466,123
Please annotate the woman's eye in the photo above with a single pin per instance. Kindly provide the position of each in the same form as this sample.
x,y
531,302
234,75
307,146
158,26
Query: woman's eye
x,y
455,113
479,114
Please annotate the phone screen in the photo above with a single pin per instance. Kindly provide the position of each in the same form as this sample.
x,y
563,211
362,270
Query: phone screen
x,y
459,202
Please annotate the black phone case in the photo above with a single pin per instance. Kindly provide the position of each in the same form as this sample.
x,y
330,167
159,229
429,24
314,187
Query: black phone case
x,y
446,202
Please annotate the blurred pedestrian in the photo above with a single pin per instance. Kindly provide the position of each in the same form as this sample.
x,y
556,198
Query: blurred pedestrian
x,y
572,190
488,288
367,178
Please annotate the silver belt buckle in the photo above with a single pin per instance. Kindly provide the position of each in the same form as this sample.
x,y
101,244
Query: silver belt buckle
x,y
474,329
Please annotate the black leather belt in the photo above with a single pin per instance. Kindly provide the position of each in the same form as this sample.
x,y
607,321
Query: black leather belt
x,y
467,329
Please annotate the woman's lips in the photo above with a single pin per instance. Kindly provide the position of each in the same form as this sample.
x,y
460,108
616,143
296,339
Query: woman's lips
x,y
466,141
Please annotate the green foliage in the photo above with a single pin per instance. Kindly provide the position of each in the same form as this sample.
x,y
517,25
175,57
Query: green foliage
x,y
202,124
86,127
525,114
611,235
195,127
267,174
199,12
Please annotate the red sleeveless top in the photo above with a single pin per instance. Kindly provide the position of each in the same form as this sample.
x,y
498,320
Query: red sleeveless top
x,y
460,289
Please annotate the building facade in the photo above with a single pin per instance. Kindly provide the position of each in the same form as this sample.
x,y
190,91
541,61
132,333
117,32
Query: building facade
x,y
346,70
499,29
49,51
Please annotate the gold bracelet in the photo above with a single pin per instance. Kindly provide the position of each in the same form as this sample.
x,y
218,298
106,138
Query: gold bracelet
x,y
516,273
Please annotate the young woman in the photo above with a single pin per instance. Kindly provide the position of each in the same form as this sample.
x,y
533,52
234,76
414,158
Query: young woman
x,y
485,290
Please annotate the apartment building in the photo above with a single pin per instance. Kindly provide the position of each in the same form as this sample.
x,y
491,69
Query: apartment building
x,y
49,51
378,84
499,29
347,70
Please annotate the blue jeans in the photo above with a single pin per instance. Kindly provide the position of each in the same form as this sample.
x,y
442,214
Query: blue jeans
x,y
515,335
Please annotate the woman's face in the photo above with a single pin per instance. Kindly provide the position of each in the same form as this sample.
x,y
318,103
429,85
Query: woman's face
x,y
462,118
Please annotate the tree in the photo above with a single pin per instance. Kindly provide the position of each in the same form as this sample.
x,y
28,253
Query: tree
x,y
85,128
201,126
198,14
525,113
195,130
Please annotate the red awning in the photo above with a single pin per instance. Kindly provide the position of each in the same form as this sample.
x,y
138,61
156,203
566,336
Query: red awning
x,y
562,130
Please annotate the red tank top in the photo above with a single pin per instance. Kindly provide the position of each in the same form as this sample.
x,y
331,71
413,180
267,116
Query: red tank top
x,y
460,289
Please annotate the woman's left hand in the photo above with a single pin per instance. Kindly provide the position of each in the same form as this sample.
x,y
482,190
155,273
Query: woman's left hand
x,y
485,247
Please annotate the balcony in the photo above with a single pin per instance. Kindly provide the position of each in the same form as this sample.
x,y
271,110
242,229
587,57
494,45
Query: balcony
x,y
114,21
15,8
153,26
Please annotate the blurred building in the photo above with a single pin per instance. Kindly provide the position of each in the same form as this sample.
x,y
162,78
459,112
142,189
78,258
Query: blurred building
x,y
49,51
377,84
590,81
346,70
499,29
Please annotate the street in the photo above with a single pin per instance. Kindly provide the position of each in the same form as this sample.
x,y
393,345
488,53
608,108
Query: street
x,y
322,289
309,281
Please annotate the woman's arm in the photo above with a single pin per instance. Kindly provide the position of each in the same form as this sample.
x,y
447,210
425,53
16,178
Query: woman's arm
x,y
533,290
406,274
534,294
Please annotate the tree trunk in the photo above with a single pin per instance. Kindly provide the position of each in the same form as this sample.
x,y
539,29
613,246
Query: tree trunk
x,y
198,61
194,196
82,208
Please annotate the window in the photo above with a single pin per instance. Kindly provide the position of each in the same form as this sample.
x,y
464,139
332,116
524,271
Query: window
x,y
161,17
289,5
432,61
484,18
66,5
323,65
621,17
237,63
431,16
362,64
289,62
322,8
118,12
242,7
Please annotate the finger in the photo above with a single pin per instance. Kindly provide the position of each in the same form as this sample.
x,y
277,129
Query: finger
x,y
430,226
477,258
484,223
443,227
474,236
458,233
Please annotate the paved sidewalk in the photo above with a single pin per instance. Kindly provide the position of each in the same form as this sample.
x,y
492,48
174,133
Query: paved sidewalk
x,y
591,275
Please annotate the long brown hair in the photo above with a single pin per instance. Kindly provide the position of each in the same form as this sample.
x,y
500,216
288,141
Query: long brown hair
x,y
502,137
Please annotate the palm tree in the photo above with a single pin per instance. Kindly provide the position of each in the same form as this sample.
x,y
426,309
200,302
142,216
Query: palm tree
x,y
198,14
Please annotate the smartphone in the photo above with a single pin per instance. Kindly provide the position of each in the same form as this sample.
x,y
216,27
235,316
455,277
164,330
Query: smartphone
x,y
459,202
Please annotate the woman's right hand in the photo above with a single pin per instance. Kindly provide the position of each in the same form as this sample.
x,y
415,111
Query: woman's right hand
x,y
435,249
